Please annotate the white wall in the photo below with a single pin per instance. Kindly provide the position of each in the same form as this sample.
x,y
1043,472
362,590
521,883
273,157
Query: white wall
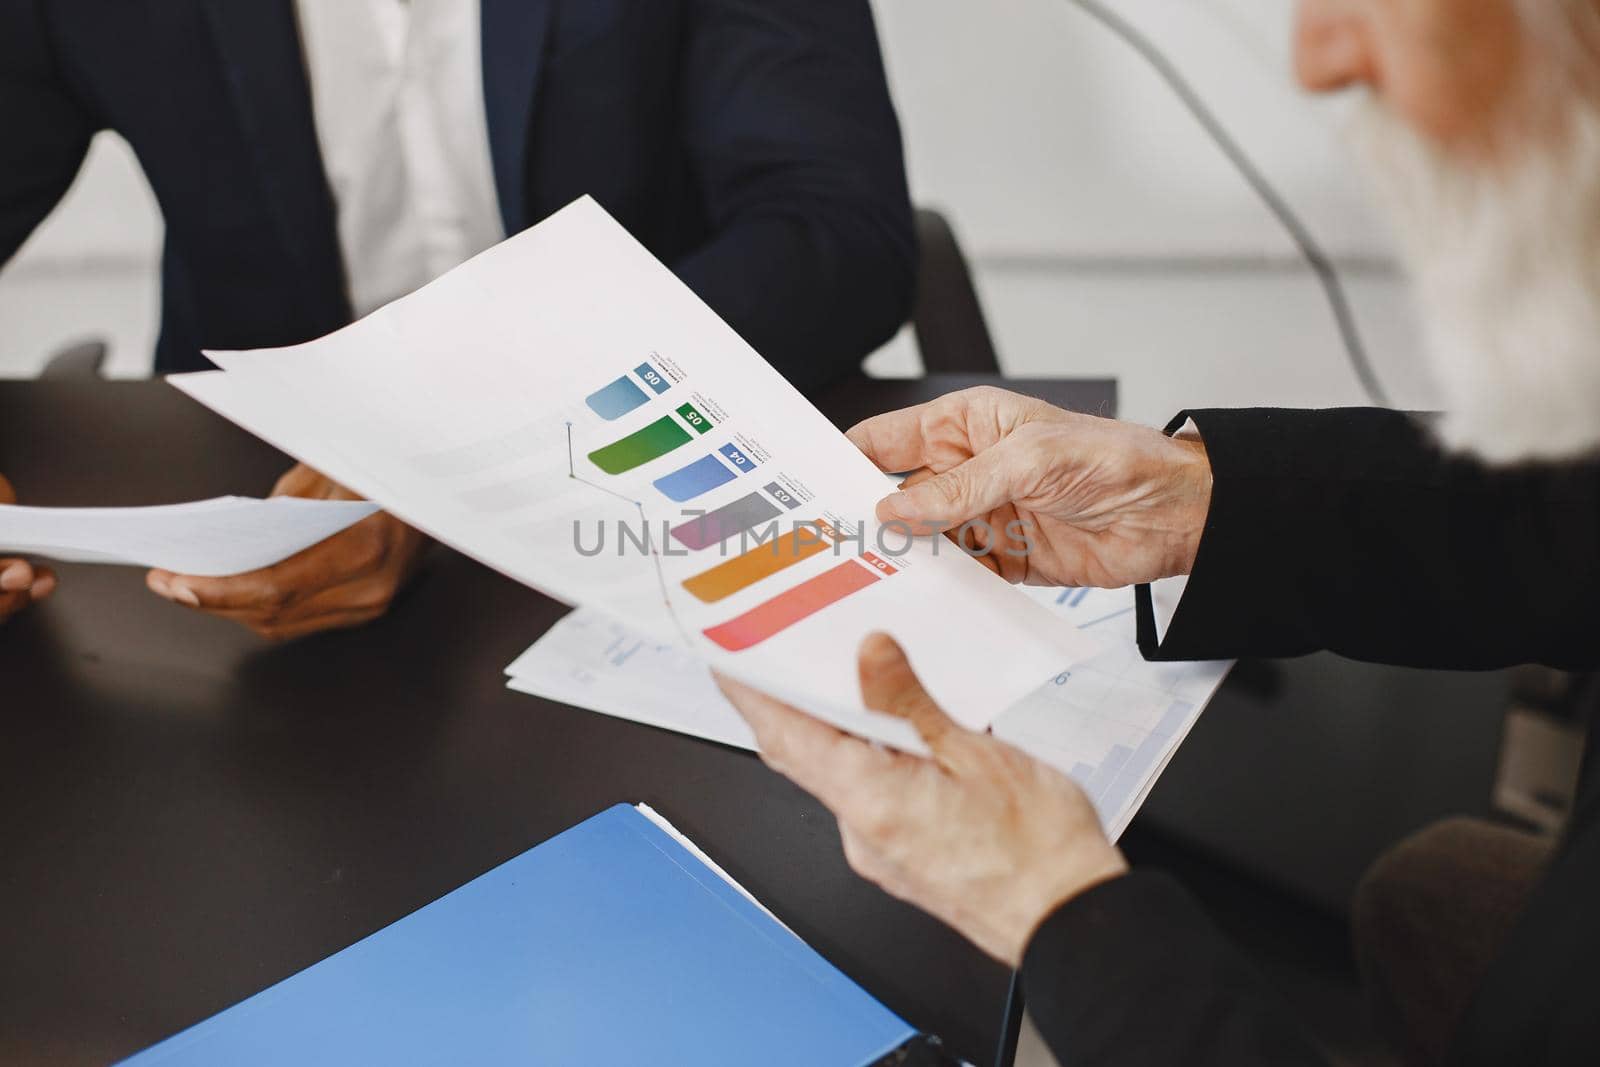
x,y
1108,235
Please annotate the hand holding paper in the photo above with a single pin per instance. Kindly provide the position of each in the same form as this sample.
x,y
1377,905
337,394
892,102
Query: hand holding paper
x,y
229,535
346,580
979,834
21,583
1050,497
596,432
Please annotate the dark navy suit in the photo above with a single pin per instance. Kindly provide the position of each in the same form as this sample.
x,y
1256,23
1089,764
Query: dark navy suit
x,y
750,144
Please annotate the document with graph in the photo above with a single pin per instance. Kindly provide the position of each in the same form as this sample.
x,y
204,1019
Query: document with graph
x,y
564,409
1111,722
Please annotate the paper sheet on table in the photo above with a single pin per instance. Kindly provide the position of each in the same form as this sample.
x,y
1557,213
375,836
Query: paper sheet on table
x,y
208,538
563,409
1112,722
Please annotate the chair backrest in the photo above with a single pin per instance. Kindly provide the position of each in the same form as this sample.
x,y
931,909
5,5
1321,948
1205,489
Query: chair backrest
x,y
951,331
83,360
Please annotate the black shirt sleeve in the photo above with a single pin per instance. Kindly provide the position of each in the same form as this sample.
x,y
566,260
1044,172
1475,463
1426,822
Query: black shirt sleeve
x,y
1132,972
1351,531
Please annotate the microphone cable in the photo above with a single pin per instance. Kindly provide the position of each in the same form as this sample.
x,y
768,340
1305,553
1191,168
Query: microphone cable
x,y
1310,251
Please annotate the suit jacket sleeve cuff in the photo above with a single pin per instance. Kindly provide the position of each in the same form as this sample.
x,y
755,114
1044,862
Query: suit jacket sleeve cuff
x,y
1252,546
1132,972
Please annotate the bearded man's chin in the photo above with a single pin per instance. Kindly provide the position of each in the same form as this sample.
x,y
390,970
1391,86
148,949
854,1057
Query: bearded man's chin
x,y
1505,265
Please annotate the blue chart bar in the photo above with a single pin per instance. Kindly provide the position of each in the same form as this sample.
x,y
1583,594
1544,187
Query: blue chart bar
x,y
735,455
701,476
1106,773
1114,788
616,399
653,378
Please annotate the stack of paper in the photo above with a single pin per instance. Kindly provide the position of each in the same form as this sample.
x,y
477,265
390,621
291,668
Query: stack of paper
x,y
564,409
209,538
1111,722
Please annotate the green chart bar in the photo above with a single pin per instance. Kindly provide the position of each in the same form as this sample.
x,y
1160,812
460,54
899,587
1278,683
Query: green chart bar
x,y
641,446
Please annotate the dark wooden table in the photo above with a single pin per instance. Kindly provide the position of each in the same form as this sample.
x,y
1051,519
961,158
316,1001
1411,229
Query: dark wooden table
x,y
188,815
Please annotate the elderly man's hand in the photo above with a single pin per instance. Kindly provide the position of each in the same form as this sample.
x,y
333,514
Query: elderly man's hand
x,y
21,583
1040,494
981,835
347,580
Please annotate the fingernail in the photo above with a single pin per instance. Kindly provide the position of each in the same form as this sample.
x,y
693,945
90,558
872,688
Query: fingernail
x,y
878,645
897,507
184,595
16,577
159,587
43,586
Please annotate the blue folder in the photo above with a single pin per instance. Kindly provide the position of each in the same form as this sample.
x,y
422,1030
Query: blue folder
x,y
609,944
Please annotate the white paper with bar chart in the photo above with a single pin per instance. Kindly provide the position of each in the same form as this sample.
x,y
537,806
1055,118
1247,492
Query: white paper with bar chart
x,y
563,409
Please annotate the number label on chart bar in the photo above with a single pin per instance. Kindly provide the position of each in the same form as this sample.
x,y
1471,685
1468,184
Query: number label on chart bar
x,y
782,495
652,378
697,422
878,564
735,455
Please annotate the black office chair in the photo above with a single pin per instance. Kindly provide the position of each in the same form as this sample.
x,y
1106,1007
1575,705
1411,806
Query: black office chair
x,y
80,361
951,331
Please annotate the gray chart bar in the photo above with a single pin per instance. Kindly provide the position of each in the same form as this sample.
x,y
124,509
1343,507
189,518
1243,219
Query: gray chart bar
x,y
714,527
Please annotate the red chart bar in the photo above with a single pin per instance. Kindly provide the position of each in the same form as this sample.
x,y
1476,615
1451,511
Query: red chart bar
x,y
786,609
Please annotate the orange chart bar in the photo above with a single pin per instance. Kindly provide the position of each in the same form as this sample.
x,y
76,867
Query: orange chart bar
x,y
763,561
786,609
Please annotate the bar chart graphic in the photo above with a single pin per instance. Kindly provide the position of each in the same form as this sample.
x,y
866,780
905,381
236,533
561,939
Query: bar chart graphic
x,y
624,394
616,399
1125,768
743,515
789,607
641,446
760,562
1112,721
701,476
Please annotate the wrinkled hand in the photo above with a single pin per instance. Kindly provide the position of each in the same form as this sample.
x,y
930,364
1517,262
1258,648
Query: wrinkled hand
x,y
347,580
981,836
21,583
1040,494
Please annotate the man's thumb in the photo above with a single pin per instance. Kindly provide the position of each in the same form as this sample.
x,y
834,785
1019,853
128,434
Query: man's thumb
x,y
945,501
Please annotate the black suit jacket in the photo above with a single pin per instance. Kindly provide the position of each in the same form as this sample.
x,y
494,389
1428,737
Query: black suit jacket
x,y
750,144
1350,531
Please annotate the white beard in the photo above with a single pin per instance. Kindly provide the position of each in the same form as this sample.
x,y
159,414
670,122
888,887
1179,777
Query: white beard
x,y
1506,267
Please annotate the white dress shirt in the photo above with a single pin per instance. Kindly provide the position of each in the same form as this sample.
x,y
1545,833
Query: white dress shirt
x,y
397,92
